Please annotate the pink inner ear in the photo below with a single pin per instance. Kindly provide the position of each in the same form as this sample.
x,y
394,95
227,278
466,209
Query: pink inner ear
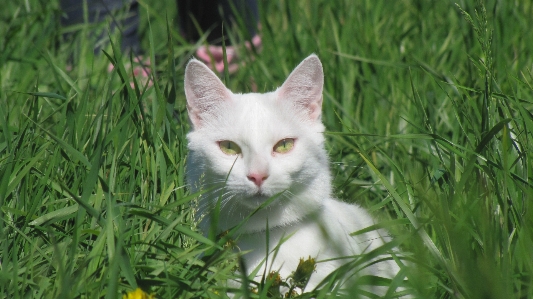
x,y
315,110
194,116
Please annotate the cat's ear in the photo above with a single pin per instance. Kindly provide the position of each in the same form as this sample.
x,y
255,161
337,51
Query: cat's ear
x,y
304,87
204,92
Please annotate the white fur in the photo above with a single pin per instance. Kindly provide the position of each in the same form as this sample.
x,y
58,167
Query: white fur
x,y
318,225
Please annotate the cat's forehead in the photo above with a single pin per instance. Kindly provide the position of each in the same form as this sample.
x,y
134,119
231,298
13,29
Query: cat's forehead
x,y
261,106
260,112
254,118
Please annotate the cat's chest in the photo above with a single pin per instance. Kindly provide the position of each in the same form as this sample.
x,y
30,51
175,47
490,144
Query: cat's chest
x,y
287,245
301,235
324,235
284,246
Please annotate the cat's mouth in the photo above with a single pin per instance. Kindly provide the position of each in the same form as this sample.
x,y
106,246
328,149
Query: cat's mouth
x,y
260,195
256,199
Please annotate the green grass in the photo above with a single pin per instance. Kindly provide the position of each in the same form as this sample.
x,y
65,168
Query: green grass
x,y
428,107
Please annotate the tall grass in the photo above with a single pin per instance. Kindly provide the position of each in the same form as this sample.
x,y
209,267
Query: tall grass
x,y
428,107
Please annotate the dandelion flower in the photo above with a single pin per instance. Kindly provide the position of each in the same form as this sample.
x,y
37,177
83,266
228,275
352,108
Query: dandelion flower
x,y
138,294
303,272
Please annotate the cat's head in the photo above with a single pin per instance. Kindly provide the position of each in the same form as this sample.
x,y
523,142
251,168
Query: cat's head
x,y
251,147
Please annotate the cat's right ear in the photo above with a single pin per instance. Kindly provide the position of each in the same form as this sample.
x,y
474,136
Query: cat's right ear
x,y
303,88
204,92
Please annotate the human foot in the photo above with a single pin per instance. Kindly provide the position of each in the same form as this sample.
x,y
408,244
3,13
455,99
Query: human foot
x,y
213,56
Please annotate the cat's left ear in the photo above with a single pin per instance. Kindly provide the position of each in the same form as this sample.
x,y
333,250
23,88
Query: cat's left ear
x,y
304,87
204,92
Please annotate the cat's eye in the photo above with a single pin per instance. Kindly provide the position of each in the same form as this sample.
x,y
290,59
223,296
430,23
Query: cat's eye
x,y
284,145
229,147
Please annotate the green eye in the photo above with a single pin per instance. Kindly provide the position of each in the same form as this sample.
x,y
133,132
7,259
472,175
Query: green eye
x,y
229,147
284,145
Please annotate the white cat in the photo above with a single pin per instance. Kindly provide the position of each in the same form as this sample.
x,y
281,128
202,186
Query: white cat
x,y
257,147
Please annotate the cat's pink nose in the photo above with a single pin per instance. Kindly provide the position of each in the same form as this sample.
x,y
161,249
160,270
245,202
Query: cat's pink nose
x,y
257,178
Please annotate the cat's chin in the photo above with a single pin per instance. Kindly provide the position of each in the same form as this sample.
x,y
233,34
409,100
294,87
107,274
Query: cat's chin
x,y
256,200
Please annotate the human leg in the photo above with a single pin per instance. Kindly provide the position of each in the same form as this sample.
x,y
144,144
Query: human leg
x,y
217,17
98,11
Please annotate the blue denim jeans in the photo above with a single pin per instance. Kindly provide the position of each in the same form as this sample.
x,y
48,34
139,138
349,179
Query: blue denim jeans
x,y
212,16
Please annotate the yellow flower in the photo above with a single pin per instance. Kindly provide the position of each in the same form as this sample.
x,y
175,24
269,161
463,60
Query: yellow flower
x,y
138,294
292,294
303,272
230,243
274,280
